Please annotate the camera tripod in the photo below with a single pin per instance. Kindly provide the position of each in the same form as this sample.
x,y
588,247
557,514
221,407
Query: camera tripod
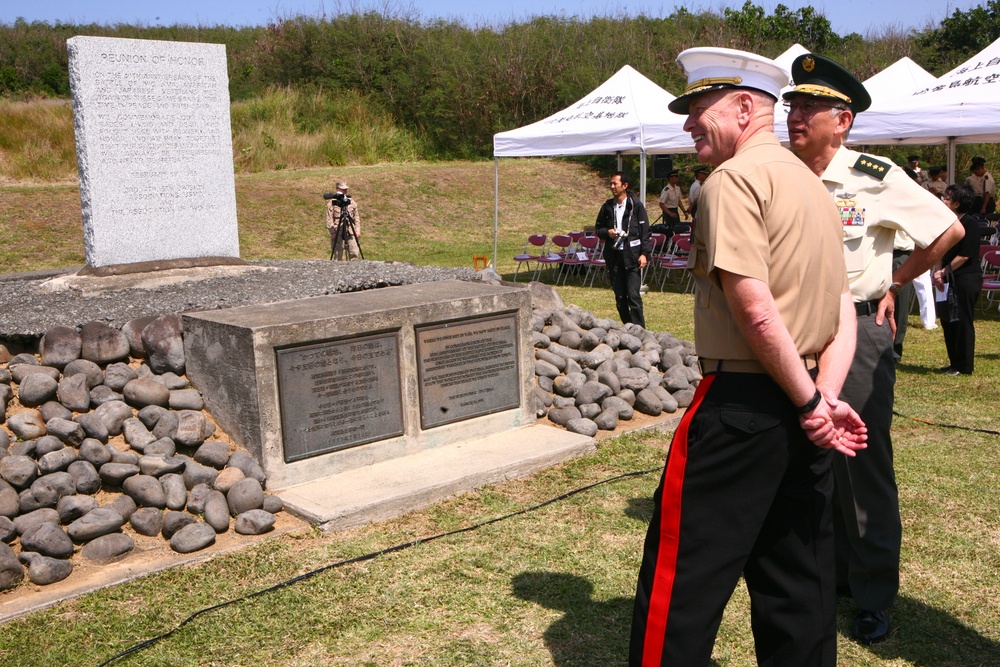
x,y
346,223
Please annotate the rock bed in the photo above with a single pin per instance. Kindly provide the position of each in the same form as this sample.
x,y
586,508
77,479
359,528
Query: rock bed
x,y
591,373
106,438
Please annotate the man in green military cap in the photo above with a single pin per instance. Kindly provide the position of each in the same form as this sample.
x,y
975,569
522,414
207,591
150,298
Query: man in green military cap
x,y
875,199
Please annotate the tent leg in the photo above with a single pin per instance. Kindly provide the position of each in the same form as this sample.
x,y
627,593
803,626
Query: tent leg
x,y
496,210
951,159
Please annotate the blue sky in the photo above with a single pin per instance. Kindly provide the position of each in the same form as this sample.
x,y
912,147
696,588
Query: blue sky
x,y
847,16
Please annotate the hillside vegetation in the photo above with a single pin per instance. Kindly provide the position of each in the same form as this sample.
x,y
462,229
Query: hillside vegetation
x,y
365,87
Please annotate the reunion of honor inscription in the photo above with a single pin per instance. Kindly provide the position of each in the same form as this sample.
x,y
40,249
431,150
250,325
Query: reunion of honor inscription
x,y
339,394
467,369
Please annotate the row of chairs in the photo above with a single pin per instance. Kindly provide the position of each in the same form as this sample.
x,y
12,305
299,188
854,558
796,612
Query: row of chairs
x,y
579,252
990,257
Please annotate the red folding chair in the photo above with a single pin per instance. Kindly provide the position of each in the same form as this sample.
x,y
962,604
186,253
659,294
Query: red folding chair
x,y
533,249
557,250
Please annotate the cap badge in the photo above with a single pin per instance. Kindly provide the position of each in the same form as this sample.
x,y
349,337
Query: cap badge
x,y
808,64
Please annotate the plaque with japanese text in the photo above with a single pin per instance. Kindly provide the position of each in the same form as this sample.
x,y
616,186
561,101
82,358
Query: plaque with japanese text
x,y
338,394
467,369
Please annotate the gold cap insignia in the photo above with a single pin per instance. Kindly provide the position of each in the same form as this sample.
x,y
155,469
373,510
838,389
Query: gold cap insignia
x,y
808,64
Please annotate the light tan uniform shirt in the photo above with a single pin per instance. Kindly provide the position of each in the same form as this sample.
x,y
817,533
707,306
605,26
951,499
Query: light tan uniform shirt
x,y
981,186
936,187
872,208
671,196
333,218
762,214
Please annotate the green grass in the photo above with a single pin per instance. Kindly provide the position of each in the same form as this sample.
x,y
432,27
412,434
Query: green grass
x,y
552,586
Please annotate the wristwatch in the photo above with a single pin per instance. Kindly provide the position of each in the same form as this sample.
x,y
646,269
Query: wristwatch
x,y
895,288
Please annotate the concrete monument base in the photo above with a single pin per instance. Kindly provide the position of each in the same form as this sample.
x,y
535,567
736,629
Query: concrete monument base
x,y
392,488
322,386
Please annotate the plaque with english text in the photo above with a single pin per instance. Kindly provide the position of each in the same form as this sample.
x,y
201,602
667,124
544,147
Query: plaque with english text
x,y
338,394
466,369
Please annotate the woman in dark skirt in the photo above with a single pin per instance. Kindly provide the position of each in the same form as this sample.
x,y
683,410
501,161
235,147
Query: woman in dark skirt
x,y
962,271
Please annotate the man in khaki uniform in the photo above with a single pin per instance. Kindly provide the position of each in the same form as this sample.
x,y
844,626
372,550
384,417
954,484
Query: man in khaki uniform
x,y
875,199
746,488
344,225
982,183
670,200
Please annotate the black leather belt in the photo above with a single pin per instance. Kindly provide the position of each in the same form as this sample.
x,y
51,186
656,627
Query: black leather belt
x,y
866,307
810,361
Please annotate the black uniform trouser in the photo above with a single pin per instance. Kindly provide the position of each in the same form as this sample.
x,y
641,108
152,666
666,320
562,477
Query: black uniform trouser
x,y
960,336
866,505
904,303
626,282
743,492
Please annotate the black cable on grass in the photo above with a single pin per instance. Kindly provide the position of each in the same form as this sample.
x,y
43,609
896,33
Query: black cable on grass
x,y
370,556
960,428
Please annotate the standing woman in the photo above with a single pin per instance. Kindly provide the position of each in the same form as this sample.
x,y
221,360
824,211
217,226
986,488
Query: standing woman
x,y
961,269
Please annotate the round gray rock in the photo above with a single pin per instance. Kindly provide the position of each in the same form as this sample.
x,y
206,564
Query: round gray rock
x,y
143,391
71,508
108,548
11,571
93,372
115,474
145,490
245,495
186,399
197,497
74,393
28,522
564,415
95,452
173,521
217,511
191,538
164,343
36,389
92,426
18,471
27,425
147,521
255,522
48,539
174,491
118,375
190,428
70,432
103,344
213,453
582,426
113,414
44,570
95,523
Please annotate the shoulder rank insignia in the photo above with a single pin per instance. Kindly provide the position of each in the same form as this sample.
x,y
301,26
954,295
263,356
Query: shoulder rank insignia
x,y
873,167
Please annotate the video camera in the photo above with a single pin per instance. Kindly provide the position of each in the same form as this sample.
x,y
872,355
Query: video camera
x,y
339,197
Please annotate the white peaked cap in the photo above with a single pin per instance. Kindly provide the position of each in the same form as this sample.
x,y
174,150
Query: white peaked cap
x,y
711,68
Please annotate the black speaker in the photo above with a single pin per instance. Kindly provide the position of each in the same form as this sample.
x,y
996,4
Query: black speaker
x,y
662,165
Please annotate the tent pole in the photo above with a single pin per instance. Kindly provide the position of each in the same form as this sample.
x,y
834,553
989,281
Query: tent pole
x,y
618,156
642,177
951,159
496,209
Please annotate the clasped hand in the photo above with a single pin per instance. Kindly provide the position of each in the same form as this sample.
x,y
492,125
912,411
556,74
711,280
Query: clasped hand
x,y
834,424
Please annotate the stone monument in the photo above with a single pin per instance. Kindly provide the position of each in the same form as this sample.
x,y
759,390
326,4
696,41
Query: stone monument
x,y
319,386
154,151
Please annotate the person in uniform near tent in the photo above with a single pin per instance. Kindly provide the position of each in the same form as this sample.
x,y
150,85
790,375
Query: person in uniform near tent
x,y
875,199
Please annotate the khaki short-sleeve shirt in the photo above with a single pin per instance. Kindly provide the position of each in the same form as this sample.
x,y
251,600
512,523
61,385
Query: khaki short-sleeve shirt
x,y
762,214
671,196
872,208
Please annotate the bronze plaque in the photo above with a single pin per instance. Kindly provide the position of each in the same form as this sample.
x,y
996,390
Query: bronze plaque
x,y
467,369
338,394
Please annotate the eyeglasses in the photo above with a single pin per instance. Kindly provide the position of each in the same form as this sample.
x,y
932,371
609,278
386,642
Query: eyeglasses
x,y
809,107
945,198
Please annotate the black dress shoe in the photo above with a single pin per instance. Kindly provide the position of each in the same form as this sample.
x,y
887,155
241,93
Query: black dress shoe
x,y
871,627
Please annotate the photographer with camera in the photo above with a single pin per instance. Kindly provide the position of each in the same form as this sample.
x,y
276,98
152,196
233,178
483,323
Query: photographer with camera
x,y
623,225
343,223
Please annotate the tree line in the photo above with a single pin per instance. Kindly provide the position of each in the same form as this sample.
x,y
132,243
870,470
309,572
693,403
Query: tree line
x,y
455,85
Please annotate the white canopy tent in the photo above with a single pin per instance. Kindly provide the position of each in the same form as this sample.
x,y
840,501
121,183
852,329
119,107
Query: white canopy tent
x,y
963,106
627,114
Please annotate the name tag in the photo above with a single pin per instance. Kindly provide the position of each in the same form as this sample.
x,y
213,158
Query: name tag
x,y
634,242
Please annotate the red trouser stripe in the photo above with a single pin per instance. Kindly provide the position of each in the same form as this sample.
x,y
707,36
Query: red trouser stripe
x,y
670,528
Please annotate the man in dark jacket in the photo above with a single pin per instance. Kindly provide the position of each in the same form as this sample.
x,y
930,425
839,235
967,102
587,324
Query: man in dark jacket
x,y
623,225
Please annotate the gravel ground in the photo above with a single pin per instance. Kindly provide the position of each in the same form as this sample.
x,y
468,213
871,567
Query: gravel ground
x,y
29,306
